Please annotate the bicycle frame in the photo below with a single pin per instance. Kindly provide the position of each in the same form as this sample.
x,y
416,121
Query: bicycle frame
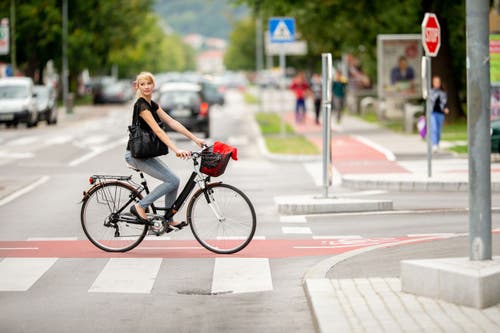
x,y
195,178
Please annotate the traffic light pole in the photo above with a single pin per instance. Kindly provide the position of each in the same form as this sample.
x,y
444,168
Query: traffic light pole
x,y
478,122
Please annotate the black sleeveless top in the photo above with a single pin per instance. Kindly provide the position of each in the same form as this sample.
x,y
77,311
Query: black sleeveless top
x,y
142,105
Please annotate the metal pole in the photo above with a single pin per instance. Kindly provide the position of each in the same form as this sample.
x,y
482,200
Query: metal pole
x,y
326,81
65,56
283,69
258,55
478,122
13,36
428,113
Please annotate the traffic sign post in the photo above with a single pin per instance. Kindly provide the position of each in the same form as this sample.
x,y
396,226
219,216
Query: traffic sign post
x,y
282,31
431,41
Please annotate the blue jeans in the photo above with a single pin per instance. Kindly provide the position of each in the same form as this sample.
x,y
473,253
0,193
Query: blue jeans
x,y
156,168
300,104
437,120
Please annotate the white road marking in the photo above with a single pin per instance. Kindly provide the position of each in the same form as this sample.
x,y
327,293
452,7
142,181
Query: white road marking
x,y
338,237
59,140
34,239
293,219
443,234
18,248
296,230
17,156
23,141
241,275
127,275
19,274
97,151
24,190
389,155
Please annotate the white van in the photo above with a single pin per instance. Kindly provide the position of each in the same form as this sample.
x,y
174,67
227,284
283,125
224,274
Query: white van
x,y
18,101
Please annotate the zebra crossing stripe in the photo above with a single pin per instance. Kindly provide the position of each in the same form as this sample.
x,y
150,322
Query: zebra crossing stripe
x,y
127,275
19,274
241,275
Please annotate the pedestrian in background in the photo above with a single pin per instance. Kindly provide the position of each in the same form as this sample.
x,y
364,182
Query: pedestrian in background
x,y
439,100
316,92
300,88
339,90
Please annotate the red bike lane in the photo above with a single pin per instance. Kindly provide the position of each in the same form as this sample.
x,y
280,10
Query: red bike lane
x,y
350,154
258,248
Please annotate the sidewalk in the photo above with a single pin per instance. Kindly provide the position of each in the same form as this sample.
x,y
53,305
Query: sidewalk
x,y
352,293
368,156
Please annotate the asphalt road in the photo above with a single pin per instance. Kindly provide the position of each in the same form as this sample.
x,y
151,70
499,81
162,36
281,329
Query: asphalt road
x,y
52,279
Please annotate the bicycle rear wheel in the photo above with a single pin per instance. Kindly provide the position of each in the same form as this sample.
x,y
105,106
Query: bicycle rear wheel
x,y
222,218
103,225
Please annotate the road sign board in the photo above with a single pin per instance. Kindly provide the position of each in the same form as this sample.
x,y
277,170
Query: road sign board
x,y
282,29
431,35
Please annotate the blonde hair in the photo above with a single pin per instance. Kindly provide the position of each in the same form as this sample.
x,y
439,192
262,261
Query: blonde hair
x,y
143,76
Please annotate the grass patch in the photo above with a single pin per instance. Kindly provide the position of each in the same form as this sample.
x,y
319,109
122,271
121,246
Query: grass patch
x,y
296,144
270,123
455,131
460,149
270,126
250,98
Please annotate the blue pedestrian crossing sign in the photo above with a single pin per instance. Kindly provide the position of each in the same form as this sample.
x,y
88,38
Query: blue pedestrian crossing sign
x,y
281,29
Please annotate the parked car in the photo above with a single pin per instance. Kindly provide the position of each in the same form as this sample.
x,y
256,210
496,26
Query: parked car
x,y
495,136
46,103
97,86
186,103
212,93
116,92
18,101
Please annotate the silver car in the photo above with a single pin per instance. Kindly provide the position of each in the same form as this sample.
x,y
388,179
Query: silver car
x,y
46,103
18,101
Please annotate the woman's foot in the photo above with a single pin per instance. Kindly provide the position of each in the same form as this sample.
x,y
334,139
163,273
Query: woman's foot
x,y
139,212
176,226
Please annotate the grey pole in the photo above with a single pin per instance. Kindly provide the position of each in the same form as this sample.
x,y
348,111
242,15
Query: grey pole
x,y
326,83
283,88
258,50
65,56
478,119
428,113
13,36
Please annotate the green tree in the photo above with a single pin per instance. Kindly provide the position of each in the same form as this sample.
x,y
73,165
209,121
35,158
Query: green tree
x,y
346,26
240,54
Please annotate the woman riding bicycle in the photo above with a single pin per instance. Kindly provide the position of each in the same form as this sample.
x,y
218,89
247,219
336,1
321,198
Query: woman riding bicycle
x,y
149,116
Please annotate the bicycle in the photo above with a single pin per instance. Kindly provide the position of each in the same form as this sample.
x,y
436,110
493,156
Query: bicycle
x,y
220,216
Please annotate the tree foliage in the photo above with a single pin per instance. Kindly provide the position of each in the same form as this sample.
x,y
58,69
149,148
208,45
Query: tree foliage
x,y
240,54
100,34
346,26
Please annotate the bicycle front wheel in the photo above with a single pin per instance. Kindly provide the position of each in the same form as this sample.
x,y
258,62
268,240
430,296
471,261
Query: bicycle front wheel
x,y
222,218
102,222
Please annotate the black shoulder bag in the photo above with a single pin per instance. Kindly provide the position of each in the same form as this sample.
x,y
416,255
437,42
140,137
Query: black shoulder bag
x,y
144,143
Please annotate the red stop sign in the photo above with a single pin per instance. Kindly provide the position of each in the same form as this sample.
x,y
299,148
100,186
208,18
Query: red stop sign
x,y
431,35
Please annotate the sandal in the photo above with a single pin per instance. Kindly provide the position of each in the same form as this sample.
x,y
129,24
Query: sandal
x,y
134,212
176,227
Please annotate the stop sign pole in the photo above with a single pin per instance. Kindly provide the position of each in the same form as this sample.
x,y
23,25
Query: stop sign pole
x,y
431,41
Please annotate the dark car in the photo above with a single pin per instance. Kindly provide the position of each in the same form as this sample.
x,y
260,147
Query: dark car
x,y
46,103
186,103
495,136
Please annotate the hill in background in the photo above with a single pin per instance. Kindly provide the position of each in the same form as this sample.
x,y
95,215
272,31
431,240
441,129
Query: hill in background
x,y
210,18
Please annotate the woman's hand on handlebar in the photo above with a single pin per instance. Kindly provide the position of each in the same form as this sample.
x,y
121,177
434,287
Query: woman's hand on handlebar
x,y
184,154
200,142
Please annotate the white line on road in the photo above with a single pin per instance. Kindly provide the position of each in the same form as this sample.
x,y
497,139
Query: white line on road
x,y
35,239
24,190
443,234
127,275
19,274
97,151
18,248
293,219
241,275
23,141
338,237
388,154
296,230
